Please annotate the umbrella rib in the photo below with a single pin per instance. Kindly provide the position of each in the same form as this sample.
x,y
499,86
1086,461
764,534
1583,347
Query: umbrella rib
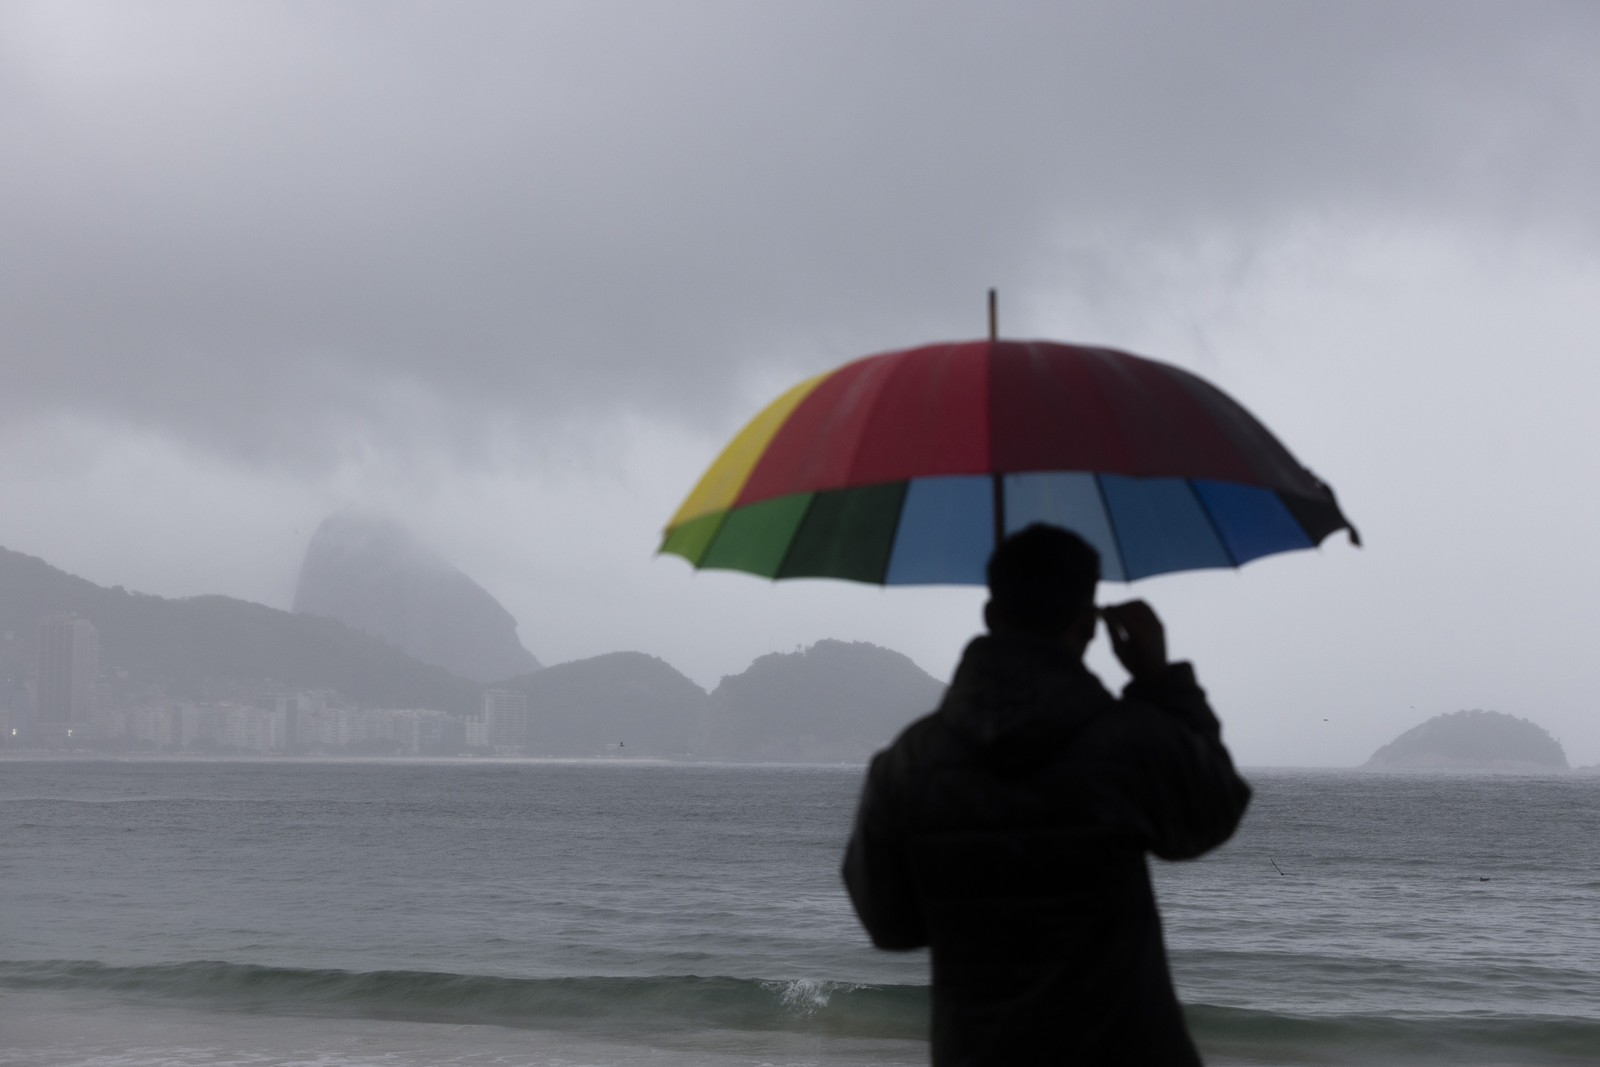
x,y
794,535
722,520
1212,520
894,535
999,506
1111,524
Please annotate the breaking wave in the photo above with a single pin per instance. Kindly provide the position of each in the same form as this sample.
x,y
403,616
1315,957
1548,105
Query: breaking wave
x,y
635,1004
658,1005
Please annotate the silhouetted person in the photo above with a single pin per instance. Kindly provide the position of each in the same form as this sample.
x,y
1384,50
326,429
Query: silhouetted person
x,y
1008,829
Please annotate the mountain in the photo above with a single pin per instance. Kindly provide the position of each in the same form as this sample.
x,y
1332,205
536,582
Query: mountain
x,y
588,706
372,574
1472,740
209,647
835,702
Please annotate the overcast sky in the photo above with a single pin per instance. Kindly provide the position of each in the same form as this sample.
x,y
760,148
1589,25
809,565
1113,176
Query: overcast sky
x,y
512,273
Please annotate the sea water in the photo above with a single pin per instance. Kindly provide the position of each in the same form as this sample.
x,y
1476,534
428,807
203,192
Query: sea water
x,y
561,913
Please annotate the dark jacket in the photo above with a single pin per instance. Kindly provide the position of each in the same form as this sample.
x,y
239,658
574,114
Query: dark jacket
x,y
1008,829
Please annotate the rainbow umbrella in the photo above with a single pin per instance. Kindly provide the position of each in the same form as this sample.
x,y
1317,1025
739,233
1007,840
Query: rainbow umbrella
x,y
905,468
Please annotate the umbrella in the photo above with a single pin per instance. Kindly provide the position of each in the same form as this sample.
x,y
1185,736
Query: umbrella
x,y
906,468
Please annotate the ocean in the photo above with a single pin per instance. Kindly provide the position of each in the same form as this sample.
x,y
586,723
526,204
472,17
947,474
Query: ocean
x,y
395,913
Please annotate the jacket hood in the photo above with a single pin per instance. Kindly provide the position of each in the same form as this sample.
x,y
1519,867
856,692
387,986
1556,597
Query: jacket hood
x,y
1018,700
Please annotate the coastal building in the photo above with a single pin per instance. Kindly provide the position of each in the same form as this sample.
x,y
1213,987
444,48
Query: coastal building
x,y
353,727
233,727
415,730
262,730
505,712
324,730
287,711
67,668
312,720
110,724
196,726
152,726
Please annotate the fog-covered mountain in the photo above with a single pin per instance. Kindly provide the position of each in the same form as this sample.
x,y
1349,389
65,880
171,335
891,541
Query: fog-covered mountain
x,y
833,702
1472,740
621,703
372,574
211,646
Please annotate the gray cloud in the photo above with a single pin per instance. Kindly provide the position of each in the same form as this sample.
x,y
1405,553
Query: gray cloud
x,y
510,273
286,232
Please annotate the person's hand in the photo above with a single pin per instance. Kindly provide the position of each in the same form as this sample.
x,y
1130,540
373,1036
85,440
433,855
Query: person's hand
x,y
1138,638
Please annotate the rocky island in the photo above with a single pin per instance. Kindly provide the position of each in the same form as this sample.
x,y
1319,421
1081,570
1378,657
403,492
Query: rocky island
x,y
1472,740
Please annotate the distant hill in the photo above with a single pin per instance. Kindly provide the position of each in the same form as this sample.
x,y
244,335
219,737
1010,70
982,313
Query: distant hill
x,y
833,702
588,706
211,646
372,574
1472,740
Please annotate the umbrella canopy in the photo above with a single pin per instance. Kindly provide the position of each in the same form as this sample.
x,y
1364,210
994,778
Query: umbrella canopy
x,y
905,468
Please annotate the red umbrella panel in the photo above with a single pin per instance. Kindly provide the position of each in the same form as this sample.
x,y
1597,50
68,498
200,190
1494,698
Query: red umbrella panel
x,y
903,468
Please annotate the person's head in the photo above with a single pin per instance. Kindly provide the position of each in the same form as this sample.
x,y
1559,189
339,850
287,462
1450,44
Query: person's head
x,y
1041,582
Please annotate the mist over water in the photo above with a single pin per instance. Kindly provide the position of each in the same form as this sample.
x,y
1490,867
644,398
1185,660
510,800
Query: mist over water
x,y
545,912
